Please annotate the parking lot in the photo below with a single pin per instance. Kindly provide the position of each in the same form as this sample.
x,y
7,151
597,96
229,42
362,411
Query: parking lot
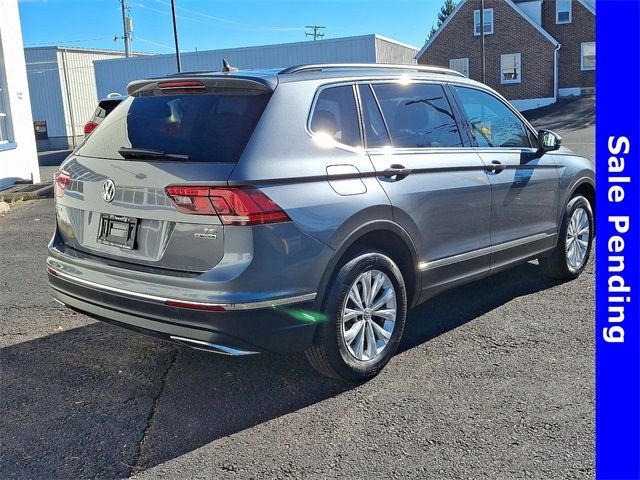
x,y
492,380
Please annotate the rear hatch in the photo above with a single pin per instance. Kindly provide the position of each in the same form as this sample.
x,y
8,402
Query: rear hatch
x,y
111,198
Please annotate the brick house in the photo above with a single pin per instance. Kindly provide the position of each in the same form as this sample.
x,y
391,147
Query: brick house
x,y
535,50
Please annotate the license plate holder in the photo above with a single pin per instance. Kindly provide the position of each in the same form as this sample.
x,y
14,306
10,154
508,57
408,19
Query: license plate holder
x,y
118,231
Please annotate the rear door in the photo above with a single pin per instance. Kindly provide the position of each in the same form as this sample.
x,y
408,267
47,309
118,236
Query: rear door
x,y
525,186
435,182
111,200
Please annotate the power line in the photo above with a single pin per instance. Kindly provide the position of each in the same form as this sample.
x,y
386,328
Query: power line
x,y
67,41
232,23
316,33
150,42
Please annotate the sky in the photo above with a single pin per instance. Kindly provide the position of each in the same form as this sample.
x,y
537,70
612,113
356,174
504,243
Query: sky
x,y
213,24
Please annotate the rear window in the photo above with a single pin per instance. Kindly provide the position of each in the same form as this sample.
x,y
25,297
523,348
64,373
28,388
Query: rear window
x,y
335,115
105,107
203,127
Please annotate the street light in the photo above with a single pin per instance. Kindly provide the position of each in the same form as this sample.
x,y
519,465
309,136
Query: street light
x,y
175,34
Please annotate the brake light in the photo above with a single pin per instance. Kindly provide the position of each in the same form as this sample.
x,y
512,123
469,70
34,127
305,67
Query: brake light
x,y
89,127
234,205
61,180
182,84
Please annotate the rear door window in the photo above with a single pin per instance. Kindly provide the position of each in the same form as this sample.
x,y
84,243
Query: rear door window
x,y
418,115
335,115
213,126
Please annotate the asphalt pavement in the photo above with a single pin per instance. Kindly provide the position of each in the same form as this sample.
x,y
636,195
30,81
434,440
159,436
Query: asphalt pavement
x,y
493,380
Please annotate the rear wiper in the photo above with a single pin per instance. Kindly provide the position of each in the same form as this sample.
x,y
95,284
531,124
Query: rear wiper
x,y
145,153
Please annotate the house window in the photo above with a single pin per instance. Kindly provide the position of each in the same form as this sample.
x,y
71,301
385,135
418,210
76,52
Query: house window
x,y
488,21
460,65
511,68
563,11
4,102
588,56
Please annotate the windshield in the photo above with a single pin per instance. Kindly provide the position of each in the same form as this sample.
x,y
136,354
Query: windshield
x,y
200,127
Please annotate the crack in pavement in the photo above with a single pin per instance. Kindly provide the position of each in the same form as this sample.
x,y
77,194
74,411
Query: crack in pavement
x,y
143,447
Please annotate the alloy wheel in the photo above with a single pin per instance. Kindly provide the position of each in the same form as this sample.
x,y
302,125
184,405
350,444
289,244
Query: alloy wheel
x,y
369,315
577,241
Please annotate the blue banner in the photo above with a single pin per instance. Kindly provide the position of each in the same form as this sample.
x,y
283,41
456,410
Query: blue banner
x,y
617,243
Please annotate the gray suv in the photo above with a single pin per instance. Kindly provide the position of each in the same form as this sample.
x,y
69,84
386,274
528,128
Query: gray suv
x,y
307,209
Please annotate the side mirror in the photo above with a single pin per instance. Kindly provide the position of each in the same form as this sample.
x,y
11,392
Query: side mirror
x,y
548,141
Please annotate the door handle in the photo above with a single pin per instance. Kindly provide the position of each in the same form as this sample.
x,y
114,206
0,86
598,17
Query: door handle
x,y
397,171
495,166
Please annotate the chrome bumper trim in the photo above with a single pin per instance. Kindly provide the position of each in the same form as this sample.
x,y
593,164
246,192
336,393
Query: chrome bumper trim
x,y
162,300
210,347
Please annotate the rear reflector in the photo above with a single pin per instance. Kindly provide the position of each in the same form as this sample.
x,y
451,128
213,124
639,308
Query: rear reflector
x,y
89,127
61,180
194,305
234,206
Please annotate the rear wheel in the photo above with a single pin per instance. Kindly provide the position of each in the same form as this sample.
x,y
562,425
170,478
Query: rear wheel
x,y
570,256
366,307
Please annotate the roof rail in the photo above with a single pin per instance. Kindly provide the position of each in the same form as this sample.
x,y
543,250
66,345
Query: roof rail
x,y
370,66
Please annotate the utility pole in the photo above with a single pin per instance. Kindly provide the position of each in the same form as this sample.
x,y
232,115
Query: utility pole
x,y
127,27
484,66
175,35
317,31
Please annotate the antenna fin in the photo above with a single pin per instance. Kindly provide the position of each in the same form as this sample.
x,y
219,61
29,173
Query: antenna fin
x,y
226,66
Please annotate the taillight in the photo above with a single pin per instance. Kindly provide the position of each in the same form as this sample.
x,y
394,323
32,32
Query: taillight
x,y
89,127
61,180
234,205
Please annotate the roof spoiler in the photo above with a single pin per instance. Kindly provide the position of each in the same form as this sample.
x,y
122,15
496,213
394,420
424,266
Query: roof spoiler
x,y
211,80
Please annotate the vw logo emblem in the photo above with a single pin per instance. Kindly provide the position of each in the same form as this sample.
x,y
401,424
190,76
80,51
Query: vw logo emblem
x,y
108,190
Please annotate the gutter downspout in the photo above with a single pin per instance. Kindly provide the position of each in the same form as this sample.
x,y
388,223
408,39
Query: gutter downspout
x,y
556,53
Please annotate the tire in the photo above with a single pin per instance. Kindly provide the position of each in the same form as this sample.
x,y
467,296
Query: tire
x,y
561,263
343,348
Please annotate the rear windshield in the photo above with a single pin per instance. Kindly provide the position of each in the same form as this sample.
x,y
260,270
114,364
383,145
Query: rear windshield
x,y
199,127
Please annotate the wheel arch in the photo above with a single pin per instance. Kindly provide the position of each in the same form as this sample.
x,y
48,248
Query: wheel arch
x,y
386,236
586,187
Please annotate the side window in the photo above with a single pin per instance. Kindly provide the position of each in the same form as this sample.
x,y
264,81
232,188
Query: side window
x,y
418,115
335,115
492,122
375,130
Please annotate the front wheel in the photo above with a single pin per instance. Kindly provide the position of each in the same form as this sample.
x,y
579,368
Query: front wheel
x,y
570,256
366,308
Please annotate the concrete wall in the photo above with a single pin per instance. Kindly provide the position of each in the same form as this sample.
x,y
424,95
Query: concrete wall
x,y
391,51
18,157
114,75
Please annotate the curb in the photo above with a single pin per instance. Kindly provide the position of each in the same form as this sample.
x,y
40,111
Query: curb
x,y
26,191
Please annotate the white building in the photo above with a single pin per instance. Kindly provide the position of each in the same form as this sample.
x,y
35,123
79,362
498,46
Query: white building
x,y
62,84
18,156
114,75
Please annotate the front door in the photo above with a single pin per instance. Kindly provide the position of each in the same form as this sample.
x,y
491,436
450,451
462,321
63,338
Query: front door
x,y
525,186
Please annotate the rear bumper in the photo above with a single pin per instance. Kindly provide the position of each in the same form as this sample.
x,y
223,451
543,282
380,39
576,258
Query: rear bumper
x,y
281,325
